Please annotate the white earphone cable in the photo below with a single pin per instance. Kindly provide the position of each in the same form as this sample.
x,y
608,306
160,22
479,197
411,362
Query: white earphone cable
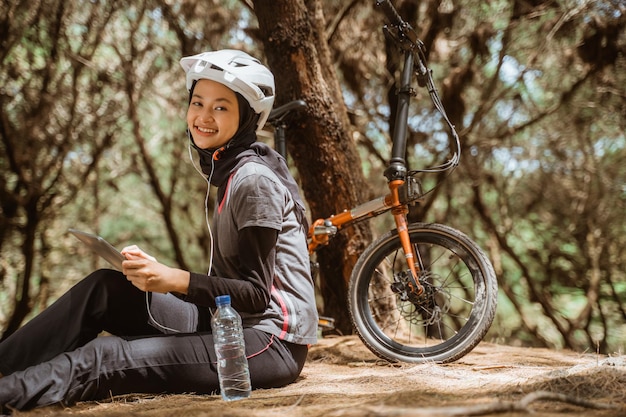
x,y
208,225
206,203
153,319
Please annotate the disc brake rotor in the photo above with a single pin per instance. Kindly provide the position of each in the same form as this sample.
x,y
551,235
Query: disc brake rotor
x,y
427,308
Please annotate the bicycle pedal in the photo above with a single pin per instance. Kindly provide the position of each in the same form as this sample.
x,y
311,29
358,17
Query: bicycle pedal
x,y
326,322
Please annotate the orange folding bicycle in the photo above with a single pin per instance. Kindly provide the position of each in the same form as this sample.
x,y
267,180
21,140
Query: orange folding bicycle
x,y
422,291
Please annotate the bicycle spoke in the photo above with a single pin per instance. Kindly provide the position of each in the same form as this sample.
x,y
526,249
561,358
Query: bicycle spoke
x,y
397,323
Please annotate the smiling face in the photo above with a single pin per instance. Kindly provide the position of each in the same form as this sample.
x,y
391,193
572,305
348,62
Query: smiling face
x,y
213,114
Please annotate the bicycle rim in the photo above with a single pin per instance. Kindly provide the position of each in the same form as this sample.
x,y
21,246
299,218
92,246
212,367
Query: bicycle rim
x,y
444,324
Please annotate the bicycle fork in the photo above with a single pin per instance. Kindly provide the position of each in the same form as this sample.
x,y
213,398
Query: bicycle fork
x,y
399,212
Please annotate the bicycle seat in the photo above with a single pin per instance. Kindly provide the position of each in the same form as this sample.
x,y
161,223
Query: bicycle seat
x,y
278,113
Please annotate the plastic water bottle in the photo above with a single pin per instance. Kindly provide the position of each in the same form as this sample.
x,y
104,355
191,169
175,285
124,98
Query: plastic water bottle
x,y
232,364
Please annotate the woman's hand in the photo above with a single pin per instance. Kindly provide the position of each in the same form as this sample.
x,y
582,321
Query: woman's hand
x,y
136,252
147,274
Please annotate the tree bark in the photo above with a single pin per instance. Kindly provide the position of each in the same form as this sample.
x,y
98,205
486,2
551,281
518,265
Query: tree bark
x,y
320,140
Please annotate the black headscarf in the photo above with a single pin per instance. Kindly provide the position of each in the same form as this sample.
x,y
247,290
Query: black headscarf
x,y
219,164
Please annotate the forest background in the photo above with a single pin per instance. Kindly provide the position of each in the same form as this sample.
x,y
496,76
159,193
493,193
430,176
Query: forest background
x,y
92,136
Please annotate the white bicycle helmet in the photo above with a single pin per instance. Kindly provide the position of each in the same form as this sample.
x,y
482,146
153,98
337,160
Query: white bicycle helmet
x,y
238,71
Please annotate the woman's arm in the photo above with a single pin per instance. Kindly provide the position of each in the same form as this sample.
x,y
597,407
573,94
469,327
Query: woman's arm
x,y
251,290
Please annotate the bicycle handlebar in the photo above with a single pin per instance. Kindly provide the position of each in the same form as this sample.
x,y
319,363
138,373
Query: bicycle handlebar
x,y
405,31
391,12
406,38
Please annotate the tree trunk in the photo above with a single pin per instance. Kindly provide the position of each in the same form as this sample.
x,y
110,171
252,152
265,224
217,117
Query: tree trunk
x,y
23,303
320,140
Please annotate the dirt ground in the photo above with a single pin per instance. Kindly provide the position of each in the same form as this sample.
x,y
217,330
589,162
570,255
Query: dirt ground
x,y
344,379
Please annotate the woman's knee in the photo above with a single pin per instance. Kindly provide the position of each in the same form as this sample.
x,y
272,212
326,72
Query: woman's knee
x,y
107,284
108,278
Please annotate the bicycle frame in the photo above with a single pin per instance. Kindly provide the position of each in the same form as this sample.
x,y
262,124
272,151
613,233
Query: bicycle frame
x,y
322,229
403,188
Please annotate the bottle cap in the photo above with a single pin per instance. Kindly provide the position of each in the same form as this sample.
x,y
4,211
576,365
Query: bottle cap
x,y
222,300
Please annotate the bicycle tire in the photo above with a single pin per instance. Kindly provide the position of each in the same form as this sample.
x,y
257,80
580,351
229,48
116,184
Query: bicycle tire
x,y
448,321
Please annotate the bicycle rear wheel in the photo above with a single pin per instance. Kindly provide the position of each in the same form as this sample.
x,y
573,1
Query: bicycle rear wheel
x,y
444,323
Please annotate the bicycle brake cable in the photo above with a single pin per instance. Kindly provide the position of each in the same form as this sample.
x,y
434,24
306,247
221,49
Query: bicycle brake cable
x,y
406,38
426,77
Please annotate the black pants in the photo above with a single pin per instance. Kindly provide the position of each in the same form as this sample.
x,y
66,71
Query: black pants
x,y
58,356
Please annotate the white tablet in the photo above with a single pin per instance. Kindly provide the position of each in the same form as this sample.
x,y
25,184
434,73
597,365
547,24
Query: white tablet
x,y
101,247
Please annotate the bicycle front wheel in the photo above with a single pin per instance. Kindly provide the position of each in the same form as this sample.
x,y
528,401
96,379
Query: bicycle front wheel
x,y
442,324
